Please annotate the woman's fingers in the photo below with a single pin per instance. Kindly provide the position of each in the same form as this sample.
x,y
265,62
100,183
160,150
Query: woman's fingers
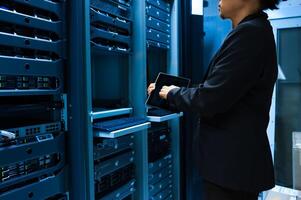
x,y
151,88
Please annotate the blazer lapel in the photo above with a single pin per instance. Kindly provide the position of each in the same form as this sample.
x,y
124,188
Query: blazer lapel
x,y
211,64
216,57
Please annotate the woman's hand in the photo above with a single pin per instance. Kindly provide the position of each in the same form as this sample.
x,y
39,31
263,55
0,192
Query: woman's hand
x,y
165,90
151,88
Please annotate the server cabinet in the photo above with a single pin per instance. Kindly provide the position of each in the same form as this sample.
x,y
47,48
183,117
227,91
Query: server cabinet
x,y
33,100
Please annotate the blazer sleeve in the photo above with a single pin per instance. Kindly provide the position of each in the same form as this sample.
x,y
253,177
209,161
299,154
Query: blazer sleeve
x,y
237,69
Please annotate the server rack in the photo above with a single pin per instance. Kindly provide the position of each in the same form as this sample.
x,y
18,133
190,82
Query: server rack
x,y
33,102
162,51
111,43
100,55
123,45
125,40
109,31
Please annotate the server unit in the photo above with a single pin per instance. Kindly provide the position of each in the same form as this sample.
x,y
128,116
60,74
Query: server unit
x,y
33,105
159,142
114,167
160,165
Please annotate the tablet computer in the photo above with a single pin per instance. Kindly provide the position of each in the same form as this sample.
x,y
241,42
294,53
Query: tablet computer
x,y
163,79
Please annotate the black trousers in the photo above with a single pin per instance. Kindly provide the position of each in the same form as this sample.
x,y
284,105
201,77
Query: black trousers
x,y
215,192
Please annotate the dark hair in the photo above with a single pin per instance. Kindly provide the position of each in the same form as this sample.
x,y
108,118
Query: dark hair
x,y
269,4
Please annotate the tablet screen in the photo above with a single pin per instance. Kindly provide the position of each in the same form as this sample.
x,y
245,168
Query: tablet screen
x,y
165,80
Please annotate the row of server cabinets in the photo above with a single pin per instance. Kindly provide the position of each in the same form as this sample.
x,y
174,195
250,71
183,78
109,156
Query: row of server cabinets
x,y
133,154
33,124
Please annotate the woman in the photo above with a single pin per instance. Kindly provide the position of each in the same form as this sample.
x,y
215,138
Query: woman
x,y
233,103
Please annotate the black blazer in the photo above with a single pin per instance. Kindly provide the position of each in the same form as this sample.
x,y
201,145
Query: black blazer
x,y
233,103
